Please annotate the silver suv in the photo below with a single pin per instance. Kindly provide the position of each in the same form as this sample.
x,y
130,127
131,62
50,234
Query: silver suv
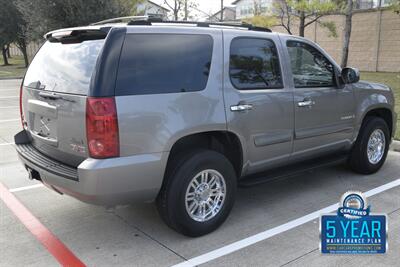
x,y
183,113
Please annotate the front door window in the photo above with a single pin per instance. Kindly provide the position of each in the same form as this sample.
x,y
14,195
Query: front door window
x,y
310,68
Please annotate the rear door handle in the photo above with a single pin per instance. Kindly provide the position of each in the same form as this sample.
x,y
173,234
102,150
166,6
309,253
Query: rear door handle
x,y
241,107
305,103
49,95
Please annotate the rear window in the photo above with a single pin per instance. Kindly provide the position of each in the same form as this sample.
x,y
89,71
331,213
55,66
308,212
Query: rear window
x,y
161,63
65,68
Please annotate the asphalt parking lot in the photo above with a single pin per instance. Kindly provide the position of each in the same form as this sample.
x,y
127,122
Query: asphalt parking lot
x,y
275,224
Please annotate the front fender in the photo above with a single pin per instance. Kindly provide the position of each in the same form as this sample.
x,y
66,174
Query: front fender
x,y
370,97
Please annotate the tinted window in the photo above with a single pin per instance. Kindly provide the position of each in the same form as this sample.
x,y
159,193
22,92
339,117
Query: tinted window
x,y
254,64
65,68
310,67
161,63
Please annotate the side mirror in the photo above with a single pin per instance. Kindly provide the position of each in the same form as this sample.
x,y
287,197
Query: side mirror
x,y
350,75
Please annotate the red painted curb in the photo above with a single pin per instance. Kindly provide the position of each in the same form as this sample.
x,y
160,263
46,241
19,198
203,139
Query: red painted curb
x,y
63,255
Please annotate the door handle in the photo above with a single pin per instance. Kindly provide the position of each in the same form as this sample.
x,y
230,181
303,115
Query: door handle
x,y
305,103
49,95
242,107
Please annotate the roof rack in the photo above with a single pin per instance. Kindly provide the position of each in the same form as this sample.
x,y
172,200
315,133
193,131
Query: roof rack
x,y
150,20
122,19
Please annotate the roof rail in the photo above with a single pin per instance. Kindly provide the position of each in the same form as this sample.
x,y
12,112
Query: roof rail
x,y
122,19
150,20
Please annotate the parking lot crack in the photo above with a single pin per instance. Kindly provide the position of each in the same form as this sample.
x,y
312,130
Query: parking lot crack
x,y
394,211
295,259
148,236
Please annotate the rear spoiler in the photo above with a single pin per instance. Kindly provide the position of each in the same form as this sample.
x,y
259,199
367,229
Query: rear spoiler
x,y
76,35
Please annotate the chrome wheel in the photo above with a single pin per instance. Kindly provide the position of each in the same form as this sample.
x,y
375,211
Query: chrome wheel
x,y
205,195
376,146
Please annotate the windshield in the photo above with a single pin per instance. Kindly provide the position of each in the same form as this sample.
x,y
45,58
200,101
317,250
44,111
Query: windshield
x,y
65,68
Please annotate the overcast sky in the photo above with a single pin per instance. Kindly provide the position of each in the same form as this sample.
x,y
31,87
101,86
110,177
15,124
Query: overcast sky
x,y
208,6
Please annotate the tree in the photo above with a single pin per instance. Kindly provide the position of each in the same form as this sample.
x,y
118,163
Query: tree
x,y
4,41
24,20
12,29
7,34
306,12
347,32
176,7
132,6
8,50
179,6
4,54
262,21
186,11
395,6
257,7
259,19
46,15
348,13
222,11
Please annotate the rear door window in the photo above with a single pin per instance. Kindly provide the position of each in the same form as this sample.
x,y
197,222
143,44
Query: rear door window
x,y
65,68
161,63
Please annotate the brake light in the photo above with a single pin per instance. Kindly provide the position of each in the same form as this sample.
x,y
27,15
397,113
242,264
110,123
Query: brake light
x,y
102,127
21,112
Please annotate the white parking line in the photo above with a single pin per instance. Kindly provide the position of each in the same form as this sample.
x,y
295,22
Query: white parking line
x,y
6,144
212,255
25,188
6,97
9,120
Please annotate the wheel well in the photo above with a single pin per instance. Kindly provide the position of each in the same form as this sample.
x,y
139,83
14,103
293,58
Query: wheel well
x,y
223,142
383,113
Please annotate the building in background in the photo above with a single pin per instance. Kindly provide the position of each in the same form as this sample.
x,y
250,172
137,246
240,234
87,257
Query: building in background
x,y
150,8
249,8
228,12
368,4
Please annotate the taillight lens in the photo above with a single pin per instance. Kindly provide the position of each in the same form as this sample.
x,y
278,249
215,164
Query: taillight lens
x,y
21,112
102,127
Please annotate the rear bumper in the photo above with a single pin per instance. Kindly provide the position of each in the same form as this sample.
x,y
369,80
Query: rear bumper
x,y
108,182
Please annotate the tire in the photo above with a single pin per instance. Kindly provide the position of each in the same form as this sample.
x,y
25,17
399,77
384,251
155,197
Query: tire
x,y
175,197
359,160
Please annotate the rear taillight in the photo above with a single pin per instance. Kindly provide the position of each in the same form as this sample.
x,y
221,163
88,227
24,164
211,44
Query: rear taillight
x,y
102,127
21,112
